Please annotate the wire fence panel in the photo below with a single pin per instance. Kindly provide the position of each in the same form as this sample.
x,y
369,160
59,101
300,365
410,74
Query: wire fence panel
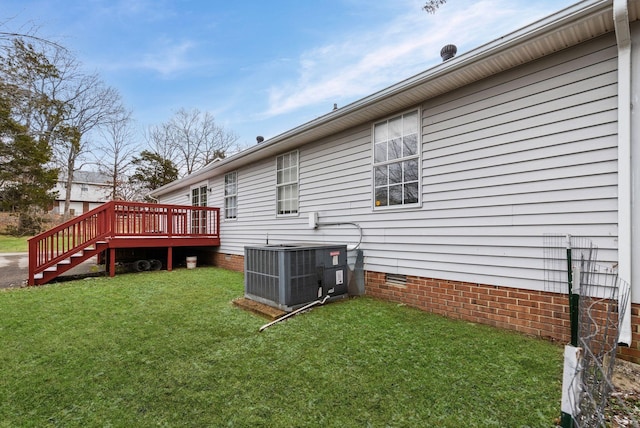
x,y
560,251
604,296
570,265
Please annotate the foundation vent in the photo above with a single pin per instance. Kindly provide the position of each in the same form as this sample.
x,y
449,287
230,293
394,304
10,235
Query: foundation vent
x,y
396,279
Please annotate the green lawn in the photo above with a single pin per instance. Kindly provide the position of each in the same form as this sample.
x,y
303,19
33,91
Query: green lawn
x,y
11,244
169,349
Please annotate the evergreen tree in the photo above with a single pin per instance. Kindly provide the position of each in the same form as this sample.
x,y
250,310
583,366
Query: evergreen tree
x,y
25,180
152,171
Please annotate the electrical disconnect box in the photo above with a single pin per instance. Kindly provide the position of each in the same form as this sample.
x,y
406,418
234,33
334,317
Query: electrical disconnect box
x,y
291,275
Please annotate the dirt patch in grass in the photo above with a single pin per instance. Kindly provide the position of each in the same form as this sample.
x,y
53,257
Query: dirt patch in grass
x,y
624,406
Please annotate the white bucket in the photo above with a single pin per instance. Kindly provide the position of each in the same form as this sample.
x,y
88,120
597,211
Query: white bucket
x,y
191,262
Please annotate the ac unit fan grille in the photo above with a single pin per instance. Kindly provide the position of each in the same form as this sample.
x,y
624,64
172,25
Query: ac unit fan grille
x,y
263,274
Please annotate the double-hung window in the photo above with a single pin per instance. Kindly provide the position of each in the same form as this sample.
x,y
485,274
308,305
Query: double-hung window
x,y
287,183
231,195
396,161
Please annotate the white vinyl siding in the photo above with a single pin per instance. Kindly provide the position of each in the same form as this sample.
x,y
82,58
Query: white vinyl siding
x,y
504,160
337,187
177,197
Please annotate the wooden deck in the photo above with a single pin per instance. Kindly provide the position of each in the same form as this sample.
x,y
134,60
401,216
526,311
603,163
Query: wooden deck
x,y
117,225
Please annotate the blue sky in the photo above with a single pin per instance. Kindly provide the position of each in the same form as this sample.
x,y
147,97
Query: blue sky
x,y
261,67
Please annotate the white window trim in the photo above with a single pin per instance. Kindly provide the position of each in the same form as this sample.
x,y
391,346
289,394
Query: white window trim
x,y
198,186
225,196
297,182
198,219
418,156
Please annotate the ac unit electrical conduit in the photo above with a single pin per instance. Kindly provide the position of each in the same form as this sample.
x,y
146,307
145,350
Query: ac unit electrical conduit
x,y
356,225
297,311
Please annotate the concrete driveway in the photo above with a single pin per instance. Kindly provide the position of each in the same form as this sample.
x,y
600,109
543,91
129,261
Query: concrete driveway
x,y
14,269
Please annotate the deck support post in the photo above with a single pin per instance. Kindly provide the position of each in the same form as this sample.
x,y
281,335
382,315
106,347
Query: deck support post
x,y
169,258
112,262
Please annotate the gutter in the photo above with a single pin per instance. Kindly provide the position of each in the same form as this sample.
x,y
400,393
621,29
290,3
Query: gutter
x,y
623,39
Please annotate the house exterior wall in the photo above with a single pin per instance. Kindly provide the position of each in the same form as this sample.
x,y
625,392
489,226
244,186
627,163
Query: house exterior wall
x,y
76,207
86,191
84,196
506,160
635,162
177,197
526,153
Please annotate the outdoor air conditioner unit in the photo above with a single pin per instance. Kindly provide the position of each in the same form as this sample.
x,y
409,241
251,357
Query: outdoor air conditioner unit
x,y
289,276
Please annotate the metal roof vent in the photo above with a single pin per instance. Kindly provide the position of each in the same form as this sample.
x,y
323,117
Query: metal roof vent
x,y
448,52
259,139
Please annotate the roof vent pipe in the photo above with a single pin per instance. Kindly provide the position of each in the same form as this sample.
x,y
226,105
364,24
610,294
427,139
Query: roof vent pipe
x,y
448,52
259,139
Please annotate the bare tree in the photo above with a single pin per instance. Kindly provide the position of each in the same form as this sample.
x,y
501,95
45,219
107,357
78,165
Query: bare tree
x,y
190,139
26,31
58,103
432,5
90,105
116,153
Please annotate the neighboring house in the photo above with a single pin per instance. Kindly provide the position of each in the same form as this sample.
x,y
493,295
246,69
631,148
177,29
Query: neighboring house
x,y
88,191
454,175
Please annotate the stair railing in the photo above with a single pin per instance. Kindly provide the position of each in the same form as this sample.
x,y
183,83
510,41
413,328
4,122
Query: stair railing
x,y
57,244
119,219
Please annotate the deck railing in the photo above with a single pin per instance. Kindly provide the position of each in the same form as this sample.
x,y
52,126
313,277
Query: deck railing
x,y
120,219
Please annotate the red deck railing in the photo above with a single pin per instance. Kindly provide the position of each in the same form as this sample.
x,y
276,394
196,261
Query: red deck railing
x,y
119,219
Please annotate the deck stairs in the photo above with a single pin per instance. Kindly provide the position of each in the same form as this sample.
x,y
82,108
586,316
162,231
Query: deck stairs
x,y
119,224
64,265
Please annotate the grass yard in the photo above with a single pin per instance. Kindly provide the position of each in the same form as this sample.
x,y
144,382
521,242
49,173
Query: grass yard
x,y
169,349
12,244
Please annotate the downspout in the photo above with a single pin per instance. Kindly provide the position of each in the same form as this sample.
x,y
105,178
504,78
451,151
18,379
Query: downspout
x,y
623,39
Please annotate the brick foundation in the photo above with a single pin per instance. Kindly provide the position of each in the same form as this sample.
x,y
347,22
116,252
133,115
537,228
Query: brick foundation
x,y
536,313
229,261
531,312
633,352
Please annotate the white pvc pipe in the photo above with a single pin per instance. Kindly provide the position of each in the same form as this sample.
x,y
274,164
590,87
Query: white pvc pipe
x,y
290,314
623,38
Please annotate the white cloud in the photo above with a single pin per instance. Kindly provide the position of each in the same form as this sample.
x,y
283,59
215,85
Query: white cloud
x,y
168,58
363,63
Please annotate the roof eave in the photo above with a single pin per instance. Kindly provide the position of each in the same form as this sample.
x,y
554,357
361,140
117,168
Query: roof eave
x,y
573,25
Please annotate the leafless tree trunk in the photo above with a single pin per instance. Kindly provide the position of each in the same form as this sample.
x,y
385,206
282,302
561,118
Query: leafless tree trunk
x,y
116,153
60,104
190,139
90,106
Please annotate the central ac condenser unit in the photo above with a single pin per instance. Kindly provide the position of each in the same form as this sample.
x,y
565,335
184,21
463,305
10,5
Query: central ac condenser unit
x,y
290,276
